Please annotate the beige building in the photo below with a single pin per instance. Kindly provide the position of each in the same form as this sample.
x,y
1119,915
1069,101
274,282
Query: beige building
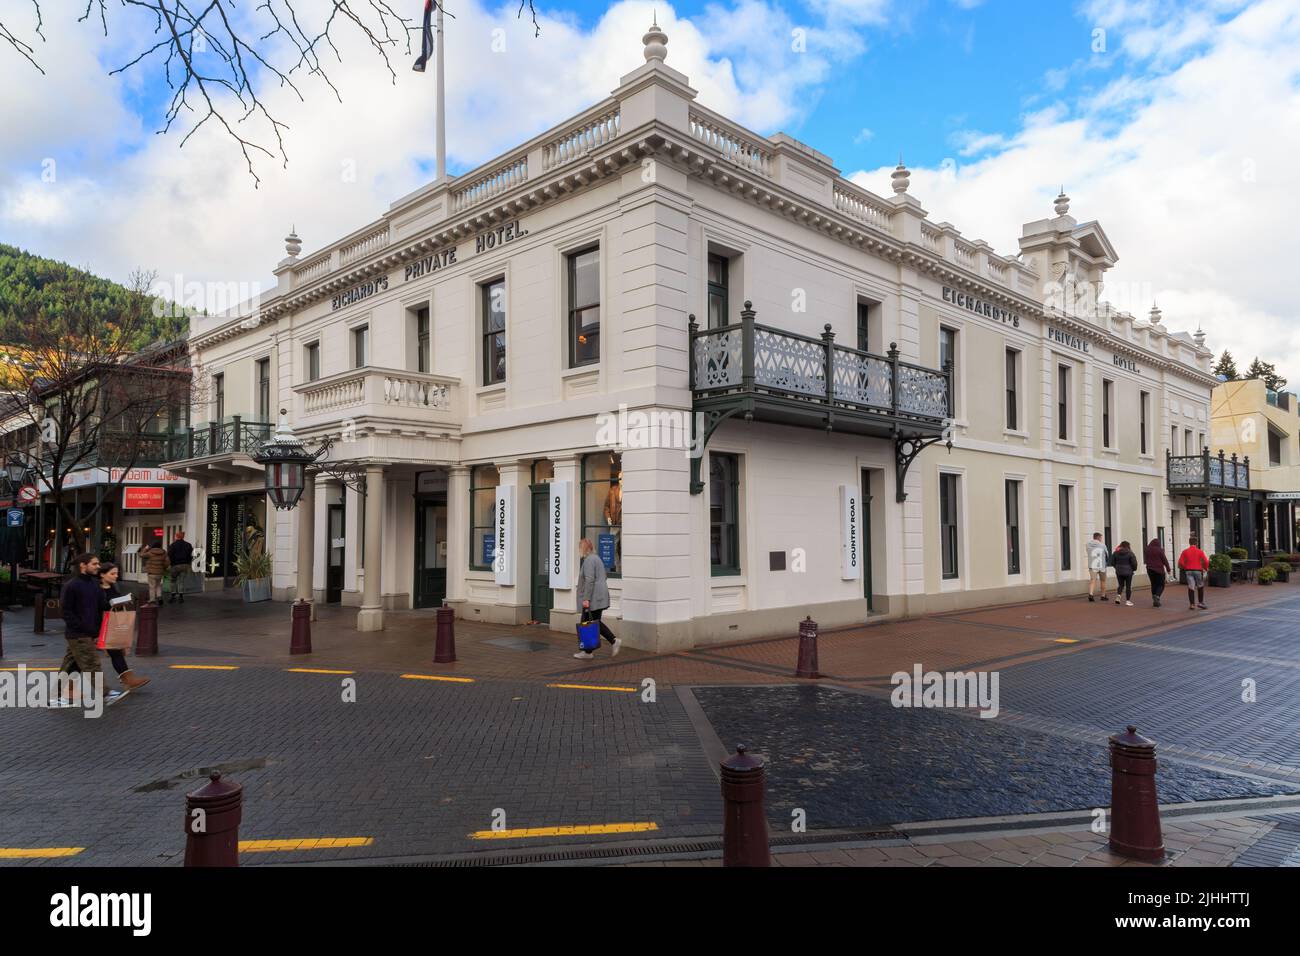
x,y
560,344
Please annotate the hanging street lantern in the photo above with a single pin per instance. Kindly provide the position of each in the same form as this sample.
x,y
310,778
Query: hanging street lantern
x,y
285,459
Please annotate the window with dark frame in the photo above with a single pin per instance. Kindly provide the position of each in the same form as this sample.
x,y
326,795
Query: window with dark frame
x,y
1108,515
948,525
1146,517
1144,402
947,347
864,326
494,331
313,361
1063,402
602,508
1013,404
1063,511
219,398
584,307
724,514
719,307
264,390
423,342
361,346
1107,390
483,480
1013,526
1274,448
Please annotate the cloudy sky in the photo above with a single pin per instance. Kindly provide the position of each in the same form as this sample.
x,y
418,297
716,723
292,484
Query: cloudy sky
x,y
1176,125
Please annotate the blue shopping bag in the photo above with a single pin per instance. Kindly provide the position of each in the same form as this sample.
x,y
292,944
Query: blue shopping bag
x,y
588,633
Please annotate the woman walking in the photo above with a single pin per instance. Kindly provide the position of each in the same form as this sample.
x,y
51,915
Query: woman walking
x,y
1126,565
593,595
108,575
1157,563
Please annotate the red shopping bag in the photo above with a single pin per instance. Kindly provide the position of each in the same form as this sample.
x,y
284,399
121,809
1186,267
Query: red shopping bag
x,y
103,632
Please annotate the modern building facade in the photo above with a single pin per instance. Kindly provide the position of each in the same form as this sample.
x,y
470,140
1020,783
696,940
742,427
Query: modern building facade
x,y
761,391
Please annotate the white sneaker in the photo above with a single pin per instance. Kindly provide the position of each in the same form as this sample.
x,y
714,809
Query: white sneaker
x,y
1129,603
1117,601
584,655
618,642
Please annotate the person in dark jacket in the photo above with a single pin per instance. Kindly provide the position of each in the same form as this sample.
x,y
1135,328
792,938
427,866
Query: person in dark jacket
x,y
109,589
1157,563
179,553
82,607
1126,565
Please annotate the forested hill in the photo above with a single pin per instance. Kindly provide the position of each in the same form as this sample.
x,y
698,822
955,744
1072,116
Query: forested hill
x,y
25,279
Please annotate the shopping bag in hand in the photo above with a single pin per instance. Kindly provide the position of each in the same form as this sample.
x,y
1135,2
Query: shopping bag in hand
x,y
588,632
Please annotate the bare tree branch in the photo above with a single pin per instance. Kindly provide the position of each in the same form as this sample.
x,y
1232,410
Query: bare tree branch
x,y
24,49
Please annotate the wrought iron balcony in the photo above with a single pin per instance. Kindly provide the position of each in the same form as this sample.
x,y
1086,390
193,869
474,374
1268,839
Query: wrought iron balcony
x,y
770,375
219,438
1208,476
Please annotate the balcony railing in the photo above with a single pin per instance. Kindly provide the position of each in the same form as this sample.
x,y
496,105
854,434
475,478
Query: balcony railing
x,y
219,438
415,397
753,359
118,450
1207,474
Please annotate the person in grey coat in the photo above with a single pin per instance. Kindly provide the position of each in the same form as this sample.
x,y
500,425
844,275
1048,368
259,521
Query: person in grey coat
x,y
593,595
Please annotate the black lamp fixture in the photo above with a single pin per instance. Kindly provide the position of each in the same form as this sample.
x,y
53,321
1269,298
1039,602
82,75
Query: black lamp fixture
x,y
15,470
286,459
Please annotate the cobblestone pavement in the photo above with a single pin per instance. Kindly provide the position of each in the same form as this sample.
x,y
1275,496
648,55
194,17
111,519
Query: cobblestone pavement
x,y
417,765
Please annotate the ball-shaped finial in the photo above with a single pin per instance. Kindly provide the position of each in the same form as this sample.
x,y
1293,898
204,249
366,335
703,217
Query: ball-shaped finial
x,y
1199,337
656,43
1062,203
901,177
1155,314
292,244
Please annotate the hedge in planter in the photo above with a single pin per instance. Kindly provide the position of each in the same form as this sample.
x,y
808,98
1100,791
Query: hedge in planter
x,y
1238,554
1267,575
1282,569
1220,575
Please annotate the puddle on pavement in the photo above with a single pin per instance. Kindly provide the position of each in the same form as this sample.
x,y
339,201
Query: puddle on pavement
x,y
234,766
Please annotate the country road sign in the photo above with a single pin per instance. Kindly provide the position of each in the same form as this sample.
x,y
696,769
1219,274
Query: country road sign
x,y
14,518
28,493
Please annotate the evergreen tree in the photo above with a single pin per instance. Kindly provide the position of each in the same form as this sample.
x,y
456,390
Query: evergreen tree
x,y
1227,366
1267,373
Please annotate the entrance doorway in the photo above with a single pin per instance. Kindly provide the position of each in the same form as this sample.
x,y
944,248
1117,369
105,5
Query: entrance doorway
x,y
866,540
542,598
334,567
430,550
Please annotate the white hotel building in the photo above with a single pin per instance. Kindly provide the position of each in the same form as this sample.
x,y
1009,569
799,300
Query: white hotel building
x,y
466,349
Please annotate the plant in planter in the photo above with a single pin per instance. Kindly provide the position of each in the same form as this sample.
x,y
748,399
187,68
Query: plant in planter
x,y
253,573
1267,575
1220,570
1293,560
1238,554
1282,569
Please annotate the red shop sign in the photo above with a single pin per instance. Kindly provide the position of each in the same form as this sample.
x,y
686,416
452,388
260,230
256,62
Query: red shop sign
x,y
143,498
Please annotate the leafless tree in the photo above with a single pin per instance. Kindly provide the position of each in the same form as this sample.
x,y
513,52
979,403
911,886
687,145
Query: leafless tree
x,y
278,49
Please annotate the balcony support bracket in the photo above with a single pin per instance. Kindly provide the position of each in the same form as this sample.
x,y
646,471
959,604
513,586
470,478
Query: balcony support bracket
x,y
906,448
703,425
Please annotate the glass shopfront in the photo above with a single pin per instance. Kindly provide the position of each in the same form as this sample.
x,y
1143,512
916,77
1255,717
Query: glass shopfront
x,y
235,524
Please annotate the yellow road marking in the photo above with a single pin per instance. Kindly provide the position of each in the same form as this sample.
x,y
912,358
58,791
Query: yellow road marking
x,y
454,680
203,667
38,853
314,670
311,843
563,831
6,668
1065,640
625,690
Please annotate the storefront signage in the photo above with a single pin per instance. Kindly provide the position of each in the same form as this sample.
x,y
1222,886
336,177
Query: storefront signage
x,y
1068,340
560,544
150,499
489,548
88,477
503,561
1198,511
431,483
1283,496
988,309
358,292
605,550
850,533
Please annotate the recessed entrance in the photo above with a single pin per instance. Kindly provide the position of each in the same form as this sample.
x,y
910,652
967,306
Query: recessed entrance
x,y
430,550
540,574
334,565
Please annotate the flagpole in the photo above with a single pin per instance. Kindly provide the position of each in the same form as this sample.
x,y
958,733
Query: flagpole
x,y
442,105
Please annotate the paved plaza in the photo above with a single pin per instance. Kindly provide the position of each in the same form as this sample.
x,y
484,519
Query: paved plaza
x,y
367,751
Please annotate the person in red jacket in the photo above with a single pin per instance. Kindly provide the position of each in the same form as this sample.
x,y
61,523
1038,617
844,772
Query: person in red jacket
x,y
1194,562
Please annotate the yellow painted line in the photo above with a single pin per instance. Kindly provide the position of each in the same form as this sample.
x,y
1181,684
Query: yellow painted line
x,y
313,670
625,690
1065,640
203,667
311,843
563,831
454,680
29,668
38,853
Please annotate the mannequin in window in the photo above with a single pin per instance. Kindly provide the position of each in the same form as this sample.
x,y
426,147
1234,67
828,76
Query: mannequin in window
x,y
614,518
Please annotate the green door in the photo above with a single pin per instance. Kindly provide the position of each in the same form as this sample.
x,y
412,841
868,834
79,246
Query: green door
x,y
541,578
430,551
866,539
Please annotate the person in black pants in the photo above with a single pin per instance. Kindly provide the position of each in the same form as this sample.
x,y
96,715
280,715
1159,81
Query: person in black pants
x,y
108,575
1126,565
1157,563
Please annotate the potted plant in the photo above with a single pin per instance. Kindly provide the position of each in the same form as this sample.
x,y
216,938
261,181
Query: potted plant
x,y
253,574
1282,570
1238,554
1267,575
1220,570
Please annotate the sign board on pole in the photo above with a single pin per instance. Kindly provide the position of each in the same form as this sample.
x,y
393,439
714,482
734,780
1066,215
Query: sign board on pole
x,y
28,493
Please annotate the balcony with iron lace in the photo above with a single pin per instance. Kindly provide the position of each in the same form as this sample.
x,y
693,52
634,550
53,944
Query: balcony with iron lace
x,y
765,374
1207,476
225,448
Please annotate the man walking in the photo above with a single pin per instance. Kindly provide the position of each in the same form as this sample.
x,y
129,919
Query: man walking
x,y
82,608
1195,564
155,566
1098,558
593,595
179,553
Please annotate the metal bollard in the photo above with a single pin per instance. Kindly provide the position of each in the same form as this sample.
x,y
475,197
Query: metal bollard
x,y
212,816
38,612
744,826
1134,806
300,637
146,641
444,648
807,666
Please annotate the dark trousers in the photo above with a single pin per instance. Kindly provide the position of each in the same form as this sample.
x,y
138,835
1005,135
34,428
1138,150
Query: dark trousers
x,y
1124,587
605,632
119,661
1157,583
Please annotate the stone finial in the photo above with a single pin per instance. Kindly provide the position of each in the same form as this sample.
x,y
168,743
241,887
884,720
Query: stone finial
x,y
901,176
292,244
1062,203
656,43
1199,337
1155,314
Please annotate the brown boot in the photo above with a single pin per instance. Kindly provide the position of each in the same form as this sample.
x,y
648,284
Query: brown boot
x,y
130,681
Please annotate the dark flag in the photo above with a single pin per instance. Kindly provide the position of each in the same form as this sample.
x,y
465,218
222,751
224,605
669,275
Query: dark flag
x,y
426,42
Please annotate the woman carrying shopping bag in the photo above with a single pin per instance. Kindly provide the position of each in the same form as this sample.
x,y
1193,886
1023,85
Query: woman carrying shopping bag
x,y
118,630
593,596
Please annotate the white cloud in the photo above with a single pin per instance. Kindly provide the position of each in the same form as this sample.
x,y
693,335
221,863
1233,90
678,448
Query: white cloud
x,y
1193,175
